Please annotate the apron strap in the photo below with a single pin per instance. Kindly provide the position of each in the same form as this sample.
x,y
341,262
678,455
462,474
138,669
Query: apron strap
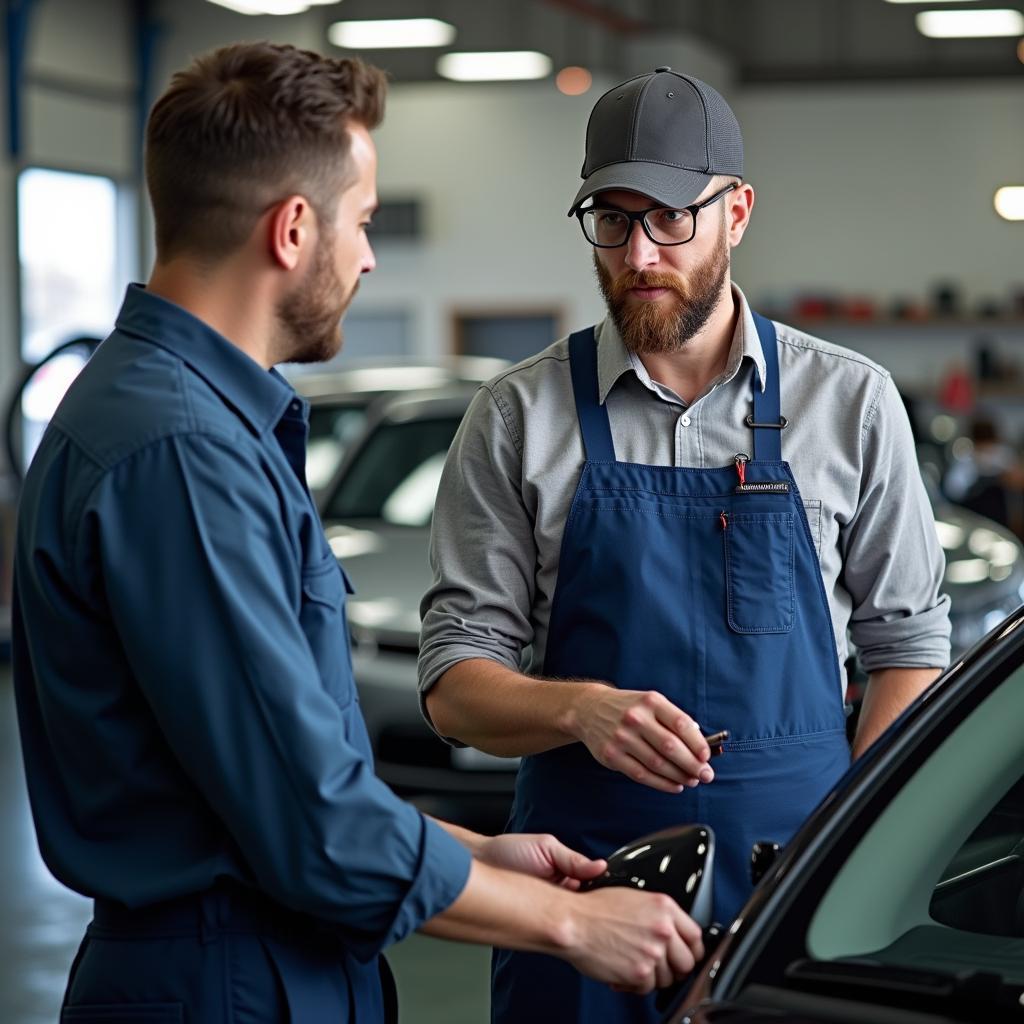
x,y
767,421
593,416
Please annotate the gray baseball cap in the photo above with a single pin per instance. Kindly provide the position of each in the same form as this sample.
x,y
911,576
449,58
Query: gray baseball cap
x,y
664,135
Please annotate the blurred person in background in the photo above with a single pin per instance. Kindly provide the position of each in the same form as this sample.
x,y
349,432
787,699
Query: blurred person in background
x,y
196,758
989,478
620,504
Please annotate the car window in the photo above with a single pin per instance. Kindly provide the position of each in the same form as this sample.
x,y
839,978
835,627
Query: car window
x,y
332,429
396,473
982,887
937,881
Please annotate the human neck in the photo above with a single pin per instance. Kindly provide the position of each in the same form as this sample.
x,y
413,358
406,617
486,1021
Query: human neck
x,y
689,370
226,297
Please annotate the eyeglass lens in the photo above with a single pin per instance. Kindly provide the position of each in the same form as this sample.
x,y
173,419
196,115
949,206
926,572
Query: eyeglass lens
x,y
610,227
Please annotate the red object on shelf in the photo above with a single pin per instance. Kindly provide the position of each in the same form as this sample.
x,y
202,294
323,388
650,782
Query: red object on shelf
x,y
859,308
956,390
814,308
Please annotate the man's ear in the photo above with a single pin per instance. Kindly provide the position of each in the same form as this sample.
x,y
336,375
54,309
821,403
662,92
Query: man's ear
x,y
288,230
739,209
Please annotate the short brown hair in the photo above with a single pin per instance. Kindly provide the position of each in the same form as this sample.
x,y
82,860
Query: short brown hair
x,y
244,126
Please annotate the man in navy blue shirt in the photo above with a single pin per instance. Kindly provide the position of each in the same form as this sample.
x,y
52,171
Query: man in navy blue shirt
x,y
196,758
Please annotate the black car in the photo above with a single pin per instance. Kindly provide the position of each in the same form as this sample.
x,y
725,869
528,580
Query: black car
x,y
901,899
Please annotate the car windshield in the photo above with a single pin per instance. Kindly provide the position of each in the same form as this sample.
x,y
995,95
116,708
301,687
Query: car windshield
x,y
396,473
937,881
332,429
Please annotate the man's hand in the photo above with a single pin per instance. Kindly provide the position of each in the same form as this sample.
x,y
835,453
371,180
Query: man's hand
x,y
643,735
634,941
542,856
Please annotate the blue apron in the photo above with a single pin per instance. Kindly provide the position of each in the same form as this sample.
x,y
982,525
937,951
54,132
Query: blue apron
x,y
703,584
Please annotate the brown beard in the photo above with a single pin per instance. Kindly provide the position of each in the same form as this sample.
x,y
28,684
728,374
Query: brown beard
x,y
652,327
309,319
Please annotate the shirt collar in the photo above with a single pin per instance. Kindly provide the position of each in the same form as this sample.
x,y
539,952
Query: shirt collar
x,y
614,359
259,396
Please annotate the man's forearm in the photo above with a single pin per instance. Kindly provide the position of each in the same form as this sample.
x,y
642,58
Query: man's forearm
x,y
503,908
506,713
889,692
634,940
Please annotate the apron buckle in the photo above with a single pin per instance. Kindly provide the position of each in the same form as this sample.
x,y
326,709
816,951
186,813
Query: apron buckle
x,y
781,425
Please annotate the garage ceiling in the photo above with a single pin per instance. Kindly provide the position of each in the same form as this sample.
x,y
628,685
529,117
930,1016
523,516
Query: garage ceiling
x,y
766,41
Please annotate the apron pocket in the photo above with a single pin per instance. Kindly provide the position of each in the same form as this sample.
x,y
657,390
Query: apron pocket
x,y
759,572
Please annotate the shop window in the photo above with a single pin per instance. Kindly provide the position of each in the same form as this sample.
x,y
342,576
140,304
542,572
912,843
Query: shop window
x,y
507,334
72,269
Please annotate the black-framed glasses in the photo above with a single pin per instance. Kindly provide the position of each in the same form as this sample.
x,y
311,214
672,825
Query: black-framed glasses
x,y
608,227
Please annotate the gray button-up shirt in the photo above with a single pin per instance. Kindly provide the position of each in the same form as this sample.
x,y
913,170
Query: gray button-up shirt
x,y
515,464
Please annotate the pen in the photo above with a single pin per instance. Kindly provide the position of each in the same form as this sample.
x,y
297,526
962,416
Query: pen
x,y
715,741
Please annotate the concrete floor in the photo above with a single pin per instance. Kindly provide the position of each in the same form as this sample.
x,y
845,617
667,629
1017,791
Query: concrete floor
x,y
43,923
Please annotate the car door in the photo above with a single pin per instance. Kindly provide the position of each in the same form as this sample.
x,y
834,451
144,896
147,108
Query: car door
x,y
902,899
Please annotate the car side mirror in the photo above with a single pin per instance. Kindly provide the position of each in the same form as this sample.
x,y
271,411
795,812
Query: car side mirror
x,y
678,862
762,856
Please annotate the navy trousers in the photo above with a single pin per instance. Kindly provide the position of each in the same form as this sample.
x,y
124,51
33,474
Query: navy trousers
x,y
221,959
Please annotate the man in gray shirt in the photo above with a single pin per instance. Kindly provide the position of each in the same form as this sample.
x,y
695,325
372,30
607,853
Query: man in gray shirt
x,y
658,576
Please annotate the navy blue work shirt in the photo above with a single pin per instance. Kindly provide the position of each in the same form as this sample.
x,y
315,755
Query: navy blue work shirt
x,y
181,663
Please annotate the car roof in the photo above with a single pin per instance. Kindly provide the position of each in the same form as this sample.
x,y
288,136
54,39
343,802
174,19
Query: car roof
x,y
429,403
369,379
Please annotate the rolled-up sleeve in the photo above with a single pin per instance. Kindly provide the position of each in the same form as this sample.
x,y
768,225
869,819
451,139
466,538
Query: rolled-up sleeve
x,y
205,592
482,551
893,564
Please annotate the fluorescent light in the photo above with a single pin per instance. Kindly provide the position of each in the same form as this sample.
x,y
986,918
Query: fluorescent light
x,y
395,33
269,6
975,24
502,66
1009,202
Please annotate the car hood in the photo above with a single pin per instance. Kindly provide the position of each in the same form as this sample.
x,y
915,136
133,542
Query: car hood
x,y
389,572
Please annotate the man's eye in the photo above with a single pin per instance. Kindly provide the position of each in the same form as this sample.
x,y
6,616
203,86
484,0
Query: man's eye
x,y
609,219
672,216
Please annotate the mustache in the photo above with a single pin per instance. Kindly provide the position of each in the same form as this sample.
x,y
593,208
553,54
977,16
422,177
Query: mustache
x,y
630,279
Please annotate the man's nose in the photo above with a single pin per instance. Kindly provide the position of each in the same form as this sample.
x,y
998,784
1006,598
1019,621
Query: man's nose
x,y
641,252
369,260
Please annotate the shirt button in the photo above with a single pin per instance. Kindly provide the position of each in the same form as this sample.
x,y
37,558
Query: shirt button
x,y
684,421
296,406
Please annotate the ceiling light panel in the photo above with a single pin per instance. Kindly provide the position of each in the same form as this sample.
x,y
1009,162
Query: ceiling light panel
x,y
393,34
269,6
970,24
1009,202
502,66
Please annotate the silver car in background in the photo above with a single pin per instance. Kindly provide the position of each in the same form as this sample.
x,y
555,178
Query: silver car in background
x,y
340,401
377,514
